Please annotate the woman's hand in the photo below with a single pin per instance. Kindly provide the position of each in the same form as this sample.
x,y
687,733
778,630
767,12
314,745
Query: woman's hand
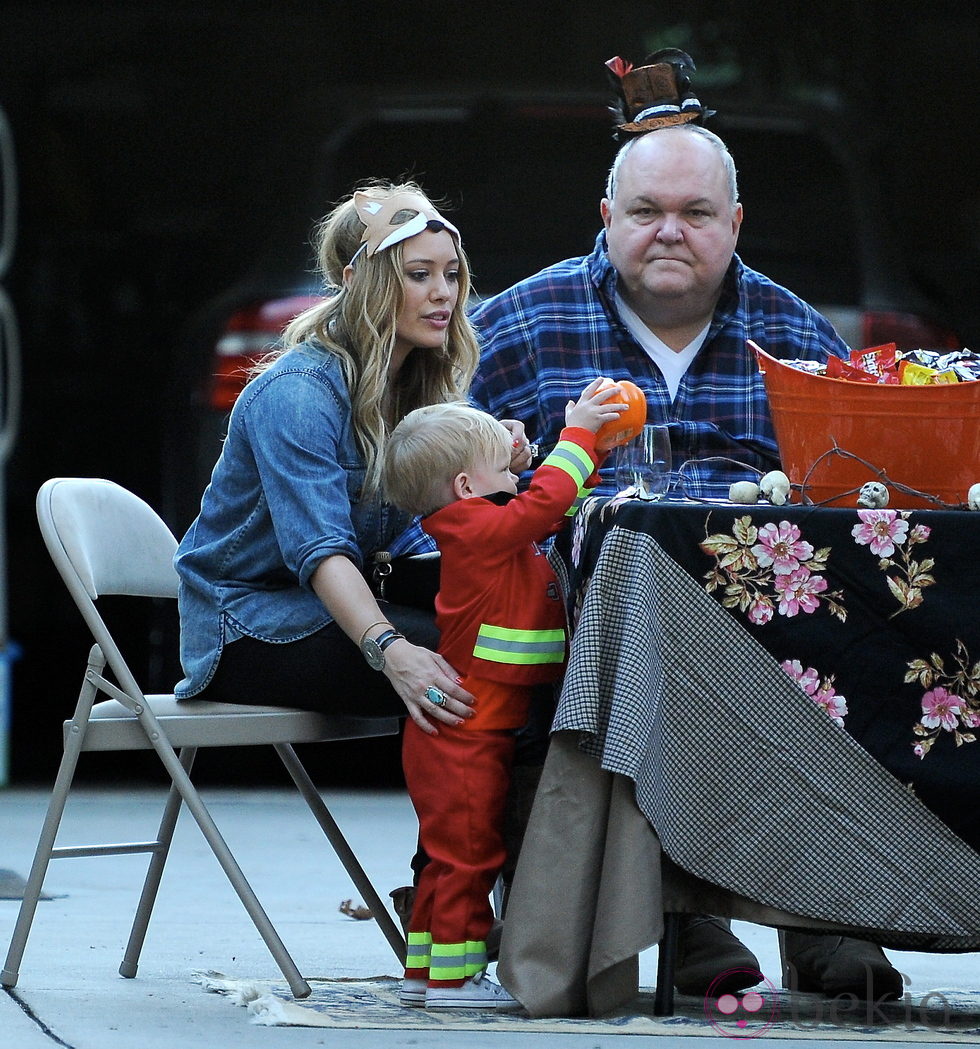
x,y
412,670
523,452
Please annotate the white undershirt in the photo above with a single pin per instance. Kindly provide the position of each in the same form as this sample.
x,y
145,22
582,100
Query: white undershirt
x,y
673,363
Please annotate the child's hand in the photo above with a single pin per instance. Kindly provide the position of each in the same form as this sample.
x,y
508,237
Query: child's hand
x,y
591,409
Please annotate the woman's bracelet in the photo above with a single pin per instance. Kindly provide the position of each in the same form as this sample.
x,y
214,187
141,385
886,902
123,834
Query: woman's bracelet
x,y
380,622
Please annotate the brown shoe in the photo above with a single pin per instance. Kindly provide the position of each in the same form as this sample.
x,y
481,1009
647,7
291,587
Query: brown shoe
x,y
403,899
834,965
711,957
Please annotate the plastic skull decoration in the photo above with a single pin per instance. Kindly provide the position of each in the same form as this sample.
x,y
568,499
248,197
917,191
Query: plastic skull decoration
x,y
743,492
973,496
775,487
873,495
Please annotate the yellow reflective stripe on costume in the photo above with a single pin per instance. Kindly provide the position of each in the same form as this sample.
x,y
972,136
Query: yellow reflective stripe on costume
x,y
500,644
457,961
418,950
583,494
575,461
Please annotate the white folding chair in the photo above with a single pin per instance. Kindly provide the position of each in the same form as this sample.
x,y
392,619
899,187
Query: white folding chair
x,y
105,540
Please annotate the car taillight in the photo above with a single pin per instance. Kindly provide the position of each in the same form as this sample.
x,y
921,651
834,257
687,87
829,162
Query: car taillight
x,y
907,330
249,334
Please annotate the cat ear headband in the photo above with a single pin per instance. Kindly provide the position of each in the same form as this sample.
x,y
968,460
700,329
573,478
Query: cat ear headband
x,y
655,95
394,219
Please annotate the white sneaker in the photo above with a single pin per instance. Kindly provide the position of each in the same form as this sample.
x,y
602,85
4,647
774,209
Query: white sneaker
x,y
478,992
412,992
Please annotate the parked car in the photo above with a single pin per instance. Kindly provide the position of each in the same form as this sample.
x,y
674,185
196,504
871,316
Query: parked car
x,y
523,174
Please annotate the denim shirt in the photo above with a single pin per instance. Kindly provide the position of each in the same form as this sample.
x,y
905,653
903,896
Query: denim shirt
x,y
284,495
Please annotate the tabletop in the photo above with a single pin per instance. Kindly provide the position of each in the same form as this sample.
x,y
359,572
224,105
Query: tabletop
x,y
791,697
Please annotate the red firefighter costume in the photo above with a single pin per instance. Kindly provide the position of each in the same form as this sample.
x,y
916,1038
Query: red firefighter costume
x,y
502,624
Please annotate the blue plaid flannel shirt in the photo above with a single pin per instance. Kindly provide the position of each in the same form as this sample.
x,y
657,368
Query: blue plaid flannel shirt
x,y
547,337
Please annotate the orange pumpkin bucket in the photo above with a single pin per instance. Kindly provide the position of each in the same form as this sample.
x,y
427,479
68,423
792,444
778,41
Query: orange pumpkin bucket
x,y
923,437
629,423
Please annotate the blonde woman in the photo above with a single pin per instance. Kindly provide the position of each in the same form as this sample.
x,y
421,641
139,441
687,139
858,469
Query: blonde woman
x,y
275,598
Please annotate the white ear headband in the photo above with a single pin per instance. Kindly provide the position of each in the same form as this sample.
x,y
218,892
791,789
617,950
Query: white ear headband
x,y
394,219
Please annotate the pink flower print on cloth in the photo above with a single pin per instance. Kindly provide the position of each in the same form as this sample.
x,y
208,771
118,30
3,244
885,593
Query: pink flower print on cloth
x,y
760,611
820,690
781,547
951,700
766,570
941,709
798,592
886,534
881,531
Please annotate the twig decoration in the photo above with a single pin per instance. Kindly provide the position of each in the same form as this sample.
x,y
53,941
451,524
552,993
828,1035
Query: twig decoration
x,y
879,475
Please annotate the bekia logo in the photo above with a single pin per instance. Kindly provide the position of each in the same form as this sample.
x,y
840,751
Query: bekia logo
x,y
745,1015
752,1013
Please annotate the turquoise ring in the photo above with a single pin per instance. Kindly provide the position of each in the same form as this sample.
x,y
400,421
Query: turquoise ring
x,y
435,696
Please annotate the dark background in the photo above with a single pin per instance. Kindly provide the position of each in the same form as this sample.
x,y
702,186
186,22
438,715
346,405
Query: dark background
x,y
155,144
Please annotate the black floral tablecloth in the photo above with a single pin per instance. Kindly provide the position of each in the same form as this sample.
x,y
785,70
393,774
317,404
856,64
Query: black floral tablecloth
x,y
795,692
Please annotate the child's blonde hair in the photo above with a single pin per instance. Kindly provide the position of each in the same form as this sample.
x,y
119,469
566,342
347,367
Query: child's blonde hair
x,y
430,446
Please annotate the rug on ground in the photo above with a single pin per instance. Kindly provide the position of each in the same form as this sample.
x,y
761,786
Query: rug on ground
x,y
936,1016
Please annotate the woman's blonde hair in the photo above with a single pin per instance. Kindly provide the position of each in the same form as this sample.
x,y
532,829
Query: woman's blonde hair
x,y
356,323
430,446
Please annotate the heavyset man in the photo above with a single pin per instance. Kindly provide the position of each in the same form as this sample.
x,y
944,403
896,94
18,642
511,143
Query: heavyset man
x,y
664,300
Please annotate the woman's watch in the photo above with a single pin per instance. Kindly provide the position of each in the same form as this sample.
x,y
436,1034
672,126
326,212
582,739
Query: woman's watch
x,y
373,648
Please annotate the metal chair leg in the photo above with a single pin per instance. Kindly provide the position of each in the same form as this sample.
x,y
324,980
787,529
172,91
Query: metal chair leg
x,y
786,969
345,854
154,872
663,1002
297,985
52,821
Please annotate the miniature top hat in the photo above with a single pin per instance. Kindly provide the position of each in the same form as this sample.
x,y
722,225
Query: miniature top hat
x,y
654,95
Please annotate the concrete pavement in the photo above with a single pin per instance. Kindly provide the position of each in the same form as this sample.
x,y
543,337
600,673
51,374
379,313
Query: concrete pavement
x,y
70,994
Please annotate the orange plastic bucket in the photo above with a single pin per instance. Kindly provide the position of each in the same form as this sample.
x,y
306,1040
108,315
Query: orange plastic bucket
x,y
925,437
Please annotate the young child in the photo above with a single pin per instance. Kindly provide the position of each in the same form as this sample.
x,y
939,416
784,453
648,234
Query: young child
x,y
502,624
